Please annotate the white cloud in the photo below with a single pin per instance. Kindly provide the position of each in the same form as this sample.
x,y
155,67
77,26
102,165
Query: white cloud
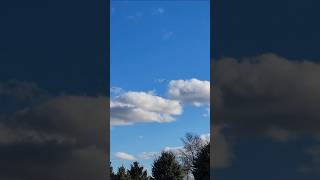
x,y
125,156
134,107
192,91
116,90
205,137
148,155
177,151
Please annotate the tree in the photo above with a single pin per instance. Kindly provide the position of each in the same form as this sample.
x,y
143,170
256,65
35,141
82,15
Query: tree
x,y
122,174
201,164
137,173
166,167
192,145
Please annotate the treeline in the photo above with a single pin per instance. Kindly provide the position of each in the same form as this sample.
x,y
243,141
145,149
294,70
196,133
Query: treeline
x,y
193,159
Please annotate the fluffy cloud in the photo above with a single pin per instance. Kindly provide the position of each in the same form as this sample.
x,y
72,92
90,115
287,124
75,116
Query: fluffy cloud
x,y
134,107
125,156
191,91
175,150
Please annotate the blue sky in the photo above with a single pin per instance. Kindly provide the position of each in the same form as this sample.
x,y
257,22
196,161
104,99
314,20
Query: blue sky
x,y
153,43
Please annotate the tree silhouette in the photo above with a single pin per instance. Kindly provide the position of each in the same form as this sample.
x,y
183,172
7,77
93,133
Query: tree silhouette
x,y
122,174
166,167
201,164
136,172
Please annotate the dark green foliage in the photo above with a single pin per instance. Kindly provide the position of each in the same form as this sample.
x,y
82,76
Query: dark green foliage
x,y
201,164
166,167
137,173
122,174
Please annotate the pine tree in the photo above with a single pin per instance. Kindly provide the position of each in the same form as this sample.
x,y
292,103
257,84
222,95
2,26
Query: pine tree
x,y
122,174
166,167
136,172
201,164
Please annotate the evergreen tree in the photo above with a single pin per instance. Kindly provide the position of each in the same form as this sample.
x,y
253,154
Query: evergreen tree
x,y
122,174
136,172
166,167
201,164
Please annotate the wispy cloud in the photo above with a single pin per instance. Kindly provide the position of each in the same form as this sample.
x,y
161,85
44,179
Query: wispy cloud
x,y
160,80
125,156
148,155
135,17
158,11
167,35
115,91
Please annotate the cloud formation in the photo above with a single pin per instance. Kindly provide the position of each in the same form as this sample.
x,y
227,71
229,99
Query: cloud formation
x,y
192,91
148,155
136,107
125,156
